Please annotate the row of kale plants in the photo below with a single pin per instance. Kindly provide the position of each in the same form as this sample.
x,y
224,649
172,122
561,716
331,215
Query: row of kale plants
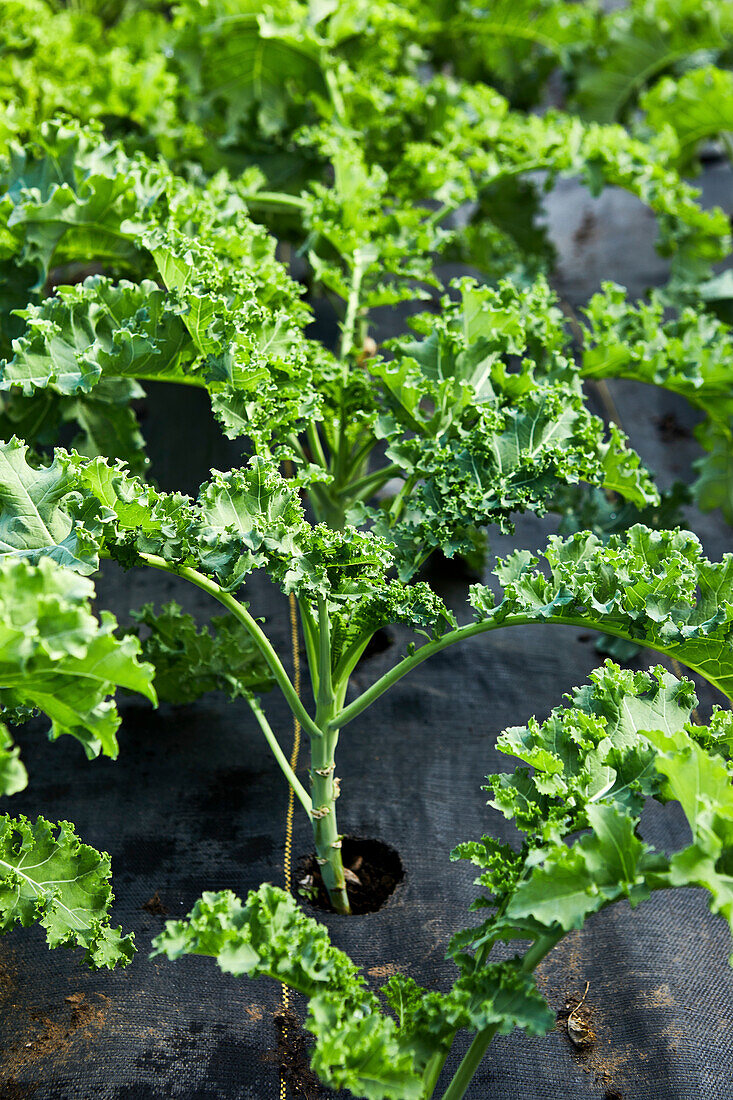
x,y
139,243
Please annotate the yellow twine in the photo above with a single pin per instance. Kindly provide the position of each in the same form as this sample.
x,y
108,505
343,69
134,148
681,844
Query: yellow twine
x,y
288,855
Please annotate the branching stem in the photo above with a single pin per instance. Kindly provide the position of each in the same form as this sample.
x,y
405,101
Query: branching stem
x,y
253,628
395,674
475,1053
300,791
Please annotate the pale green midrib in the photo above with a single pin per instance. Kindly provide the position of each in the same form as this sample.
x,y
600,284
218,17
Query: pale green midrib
x,y
36,887
486,626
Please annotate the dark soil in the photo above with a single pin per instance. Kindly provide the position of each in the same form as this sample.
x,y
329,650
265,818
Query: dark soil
x,y
670,429
52,1033
292,1053
155,906
374,872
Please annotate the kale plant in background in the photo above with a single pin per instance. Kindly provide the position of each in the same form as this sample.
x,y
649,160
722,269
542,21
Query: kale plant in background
x,y
195,296
474,417
260,91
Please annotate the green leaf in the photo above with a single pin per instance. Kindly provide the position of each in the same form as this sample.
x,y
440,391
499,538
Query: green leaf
x,y
480,438
601,867
513,44
690,353
66,197
655,588
593,748
42,513
114,51
56,657
641,41
356,1047
713,487
703,785
189,662
229,318
138,518
48,876
95,329
250,77
623,738
13,776
698,106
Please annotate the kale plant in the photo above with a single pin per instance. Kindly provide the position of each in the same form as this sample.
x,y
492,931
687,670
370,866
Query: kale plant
x,y
576,801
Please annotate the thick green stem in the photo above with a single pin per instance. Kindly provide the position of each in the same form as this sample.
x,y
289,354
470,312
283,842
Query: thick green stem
x,y
316,446
432,1072
475,1053
334,91
354,709
352,307
359,456
276,200
366,486
324,791
324,784
347,344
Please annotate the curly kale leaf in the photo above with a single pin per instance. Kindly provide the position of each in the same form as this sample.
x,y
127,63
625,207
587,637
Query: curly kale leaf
x,y
67,196
592,749
635,44
655,588
251,77
13,776
243,520
116,56
690,354
228,318
513,44
99,329
468,140
255,359
702,783
698,106
497,994
56,657
47,876
623,738
485,418
190,662
356,1046
43,513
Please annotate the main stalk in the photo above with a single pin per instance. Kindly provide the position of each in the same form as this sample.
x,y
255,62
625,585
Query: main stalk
x,y
324,792
324,784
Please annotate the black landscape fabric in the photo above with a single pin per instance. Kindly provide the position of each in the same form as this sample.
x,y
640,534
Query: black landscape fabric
x,y
196,802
